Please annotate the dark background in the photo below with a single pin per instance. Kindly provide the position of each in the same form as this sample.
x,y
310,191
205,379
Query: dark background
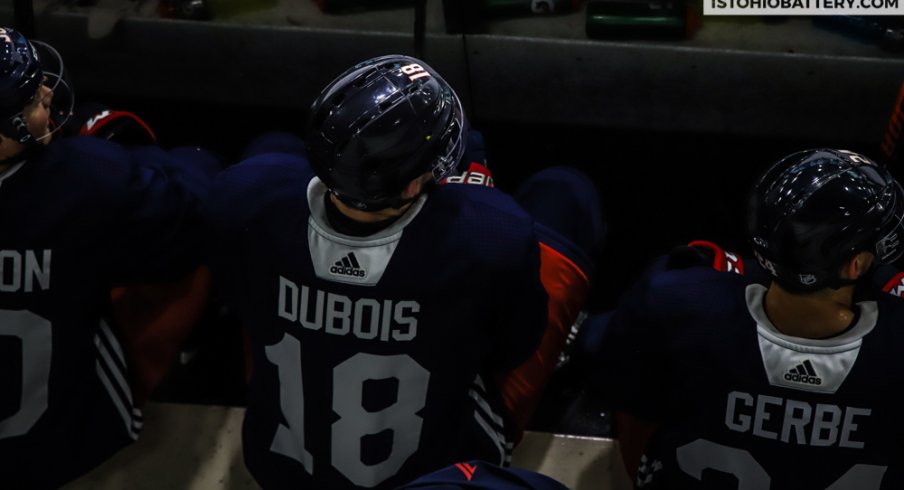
x,y
708,115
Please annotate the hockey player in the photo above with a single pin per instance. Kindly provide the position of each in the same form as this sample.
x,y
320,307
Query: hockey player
x,y
722,382
81,217
382,309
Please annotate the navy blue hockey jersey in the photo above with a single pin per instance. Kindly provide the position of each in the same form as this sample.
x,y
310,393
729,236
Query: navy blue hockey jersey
x,y
80,217
480,475
368,352
742,405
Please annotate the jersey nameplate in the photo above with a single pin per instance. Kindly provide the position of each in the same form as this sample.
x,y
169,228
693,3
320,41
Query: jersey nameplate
x,y
336,314
24,270
795,421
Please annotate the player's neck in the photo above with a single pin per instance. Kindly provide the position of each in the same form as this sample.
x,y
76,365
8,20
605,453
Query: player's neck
x,y
9,151
8,161
816,315
368,216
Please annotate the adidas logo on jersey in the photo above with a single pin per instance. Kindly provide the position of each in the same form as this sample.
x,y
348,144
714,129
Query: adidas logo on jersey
x,y
348,266
803,373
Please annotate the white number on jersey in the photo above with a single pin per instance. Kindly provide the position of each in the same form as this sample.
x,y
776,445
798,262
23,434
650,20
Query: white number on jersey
x,y
355,421
35,335
701,454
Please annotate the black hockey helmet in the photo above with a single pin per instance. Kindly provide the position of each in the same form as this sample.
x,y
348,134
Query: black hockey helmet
x,y
379,125
816,209
24,67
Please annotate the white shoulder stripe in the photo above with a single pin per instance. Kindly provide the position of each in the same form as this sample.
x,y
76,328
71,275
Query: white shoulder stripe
x,y
479,395
497,438
113,342
490,422
112,371
105,360
486,410
117,401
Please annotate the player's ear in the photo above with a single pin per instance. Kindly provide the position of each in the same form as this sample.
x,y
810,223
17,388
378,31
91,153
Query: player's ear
x,y
415,186
6,145
858,265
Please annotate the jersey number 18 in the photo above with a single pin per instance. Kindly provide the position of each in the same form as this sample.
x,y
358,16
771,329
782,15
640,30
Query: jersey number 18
x,y
355,421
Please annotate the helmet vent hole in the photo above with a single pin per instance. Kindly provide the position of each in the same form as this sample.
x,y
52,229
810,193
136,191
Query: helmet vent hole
x,y
386,104
412,89
337,100
365,78
360,124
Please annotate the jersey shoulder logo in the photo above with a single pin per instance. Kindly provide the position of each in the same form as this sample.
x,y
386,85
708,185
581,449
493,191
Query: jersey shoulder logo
x,y
476,174
895,286
348,266
646,472
467,469
803,373
89,126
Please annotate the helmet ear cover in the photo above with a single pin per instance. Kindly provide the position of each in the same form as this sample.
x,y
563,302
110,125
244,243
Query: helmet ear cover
x,y
381,124
815,210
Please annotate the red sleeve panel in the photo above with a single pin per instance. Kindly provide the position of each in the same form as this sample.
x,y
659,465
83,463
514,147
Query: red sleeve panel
x,y
153,322
567,286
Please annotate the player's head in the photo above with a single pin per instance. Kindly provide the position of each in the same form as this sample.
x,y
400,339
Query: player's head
x,y
381,124
33,92
815,210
